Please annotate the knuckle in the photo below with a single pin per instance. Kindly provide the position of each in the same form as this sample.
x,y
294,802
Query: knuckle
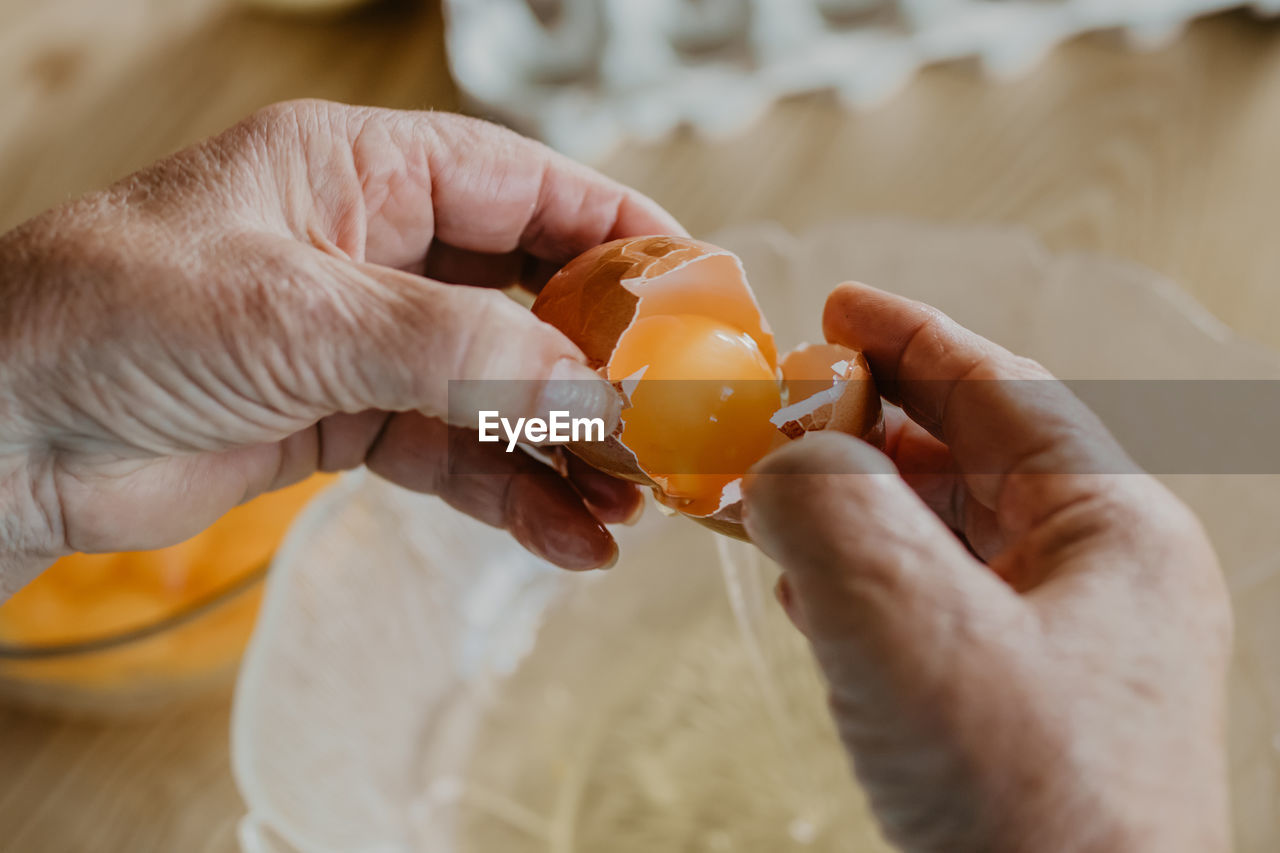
x,y
928,342
282,123
933,324
262,126
473,127
467,132
281,113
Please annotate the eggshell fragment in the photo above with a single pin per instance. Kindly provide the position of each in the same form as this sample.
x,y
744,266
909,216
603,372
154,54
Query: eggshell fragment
x,y
828,384
596,298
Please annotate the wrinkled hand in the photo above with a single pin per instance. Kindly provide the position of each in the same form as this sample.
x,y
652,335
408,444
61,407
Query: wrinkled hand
x,y
282,299
1065,696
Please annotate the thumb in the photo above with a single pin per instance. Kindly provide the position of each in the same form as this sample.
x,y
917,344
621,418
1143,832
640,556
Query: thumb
x,y
888,596
403,342
901,621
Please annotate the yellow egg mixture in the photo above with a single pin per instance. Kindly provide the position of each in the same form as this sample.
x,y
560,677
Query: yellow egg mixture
x,y
92,597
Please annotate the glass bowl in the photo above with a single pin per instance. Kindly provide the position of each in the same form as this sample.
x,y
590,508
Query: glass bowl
x,y
111,634
419,683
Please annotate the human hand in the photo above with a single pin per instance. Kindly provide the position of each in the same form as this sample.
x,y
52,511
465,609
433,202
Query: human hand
x,y
282,299
1066,696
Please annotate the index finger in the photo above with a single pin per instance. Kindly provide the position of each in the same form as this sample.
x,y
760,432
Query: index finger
x,y
495,191
392,183
1001,415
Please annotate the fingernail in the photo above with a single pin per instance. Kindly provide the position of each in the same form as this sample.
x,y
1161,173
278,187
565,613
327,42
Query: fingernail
x,y
613,560
577,389
561,535
636,514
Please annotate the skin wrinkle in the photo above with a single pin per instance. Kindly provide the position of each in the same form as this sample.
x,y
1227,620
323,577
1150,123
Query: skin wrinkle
x,y
290,311
449,148
187,389
506,180
320,241
531,232
264,418
414,141
272,394
396,306
161,427
937,421
608,224
379,311
1083,712
422,186
1066,537
348,218
377,181
1010,514
308,381
283,136
615,218
32,498
181,393
188,306
99,388
929,325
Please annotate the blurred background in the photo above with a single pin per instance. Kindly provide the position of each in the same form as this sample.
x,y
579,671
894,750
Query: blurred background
x,y
1143,141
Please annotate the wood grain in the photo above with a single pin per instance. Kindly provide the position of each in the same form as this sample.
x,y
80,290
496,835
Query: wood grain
x,y
153,785
1166,158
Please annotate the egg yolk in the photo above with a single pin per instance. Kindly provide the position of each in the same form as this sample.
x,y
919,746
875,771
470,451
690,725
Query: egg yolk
x,y
699,416
93,596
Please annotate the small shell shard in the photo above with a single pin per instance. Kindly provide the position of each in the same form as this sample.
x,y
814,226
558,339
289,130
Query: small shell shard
x,y
628,386
848,403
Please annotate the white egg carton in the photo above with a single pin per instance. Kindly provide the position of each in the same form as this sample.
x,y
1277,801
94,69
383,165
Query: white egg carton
x,y
585,74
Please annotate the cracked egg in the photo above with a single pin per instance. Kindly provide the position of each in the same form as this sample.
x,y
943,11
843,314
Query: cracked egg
x,y
674,325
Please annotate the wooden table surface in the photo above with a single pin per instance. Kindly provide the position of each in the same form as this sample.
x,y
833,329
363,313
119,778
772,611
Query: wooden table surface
x,y
1166,158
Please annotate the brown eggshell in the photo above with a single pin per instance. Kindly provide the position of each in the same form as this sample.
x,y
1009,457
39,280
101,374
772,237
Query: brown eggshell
x,y
830,387
595,298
